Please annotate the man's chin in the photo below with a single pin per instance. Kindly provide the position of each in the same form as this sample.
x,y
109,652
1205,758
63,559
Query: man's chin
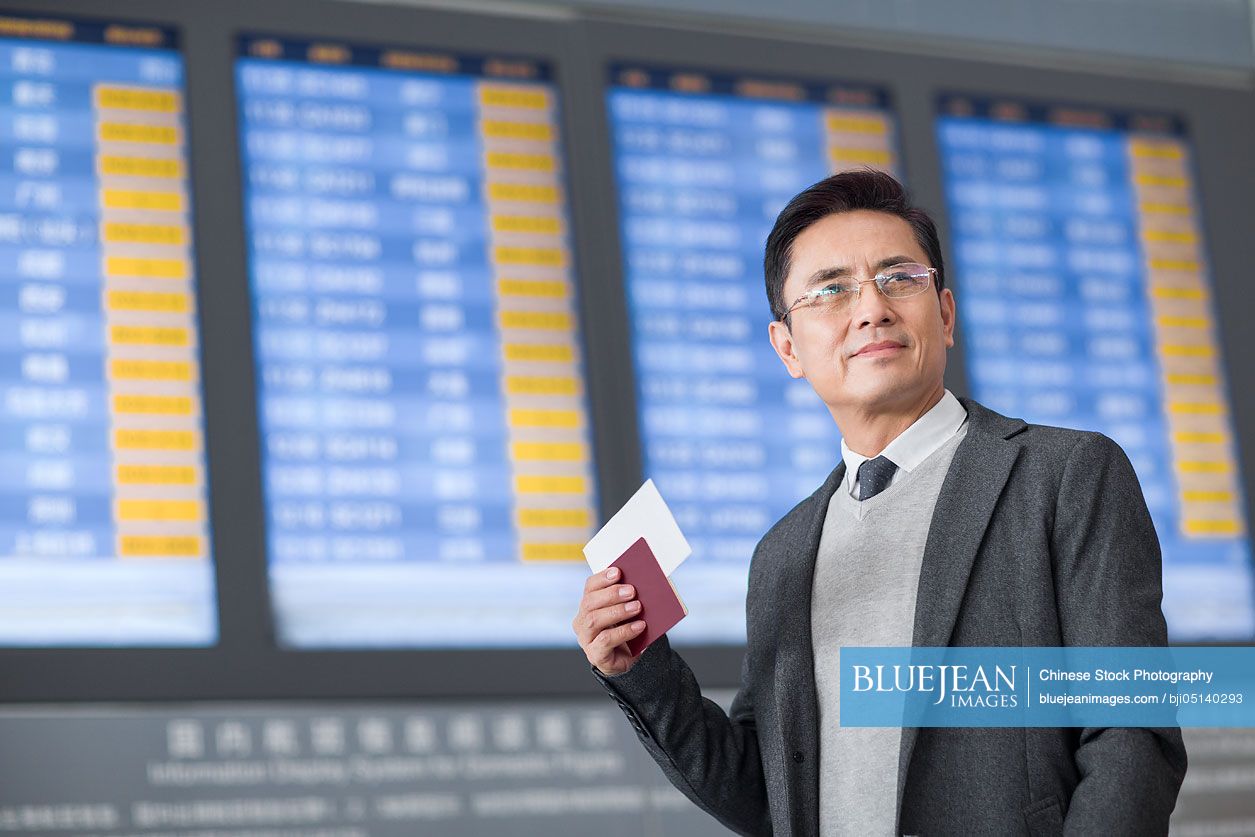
x,y
882,395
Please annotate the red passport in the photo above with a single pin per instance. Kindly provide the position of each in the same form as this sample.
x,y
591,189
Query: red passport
x,y
661,607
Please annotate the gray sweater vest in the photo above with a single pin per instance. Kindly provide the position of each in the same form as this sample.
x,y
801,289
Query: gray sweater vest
x,y
866,576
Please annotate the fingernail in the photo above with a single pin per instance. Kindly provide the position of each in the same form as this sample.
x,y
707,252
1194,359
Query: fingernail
x,y
612,573
632,607
636,626
625,592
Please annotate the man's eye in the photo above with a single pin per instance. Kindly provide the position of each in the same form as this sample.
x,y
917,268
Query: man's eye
x,y
899,277
832,290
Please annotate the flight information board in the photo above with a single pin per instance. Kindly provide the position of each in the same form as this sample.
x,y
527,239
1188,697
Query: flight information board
x,y
104,535
704,163
426,446
1084,291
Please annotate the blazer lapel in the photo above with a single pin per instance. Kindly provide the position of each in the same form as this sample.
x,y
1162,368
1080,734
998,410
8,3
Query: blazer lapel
x,y
796,702
968,496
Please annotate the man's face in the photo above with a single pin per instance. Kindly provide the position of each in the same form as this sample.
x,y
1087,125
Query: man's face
x,y
830,348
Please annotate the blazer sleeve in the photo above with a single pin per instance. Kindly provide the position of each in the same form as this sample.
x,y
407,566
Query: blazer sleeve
x,y
1109,586
711,757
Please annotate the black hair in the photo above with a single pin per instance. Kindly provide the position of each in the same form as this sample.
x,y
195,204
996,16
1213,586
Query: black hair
x,y
846,191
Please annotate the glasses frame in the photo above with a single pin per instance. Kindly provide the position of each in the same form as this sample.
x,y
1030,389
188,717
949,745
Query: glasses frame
x,y
879,280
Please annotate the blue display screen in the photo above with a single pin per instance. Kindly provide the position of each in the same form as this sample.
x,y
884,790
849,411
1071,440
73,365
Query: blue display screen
x,y
1085,301
104,533
704,162
426,448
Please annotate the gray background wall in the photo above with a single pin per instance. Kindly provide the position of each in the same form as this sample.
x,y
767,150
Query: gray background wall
x,y
1177,35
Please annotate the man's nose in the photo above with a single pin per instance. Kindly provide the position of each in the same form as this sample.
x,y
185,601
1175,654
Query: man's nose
x,y
871,307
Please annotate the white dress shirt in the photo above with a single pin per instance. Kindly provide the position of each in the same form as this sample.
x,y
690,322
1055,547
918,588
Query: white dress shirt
x,y
913,445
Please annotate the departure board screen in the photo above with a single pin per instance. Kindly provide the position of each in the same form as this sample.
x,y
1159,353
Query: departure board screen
x,y
704,163
104,537
426,448
1085,301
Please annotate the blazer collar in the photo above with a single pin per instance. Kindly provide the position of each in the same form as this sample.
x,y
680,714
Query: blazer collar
x,y
981,466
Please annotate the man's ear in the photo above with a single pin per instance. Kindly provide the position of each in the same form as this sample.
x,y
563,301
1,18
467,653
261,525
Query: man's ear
x,y
947,315
782,341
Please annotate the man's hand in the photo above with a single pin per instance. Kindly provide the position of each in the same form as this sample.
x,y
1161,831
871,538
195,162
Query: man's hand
x,y
599,623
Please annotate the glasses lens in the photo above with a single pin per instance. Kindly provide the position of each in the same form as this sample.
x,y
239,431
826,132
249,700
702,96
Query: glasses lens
x,y
904,279
834,296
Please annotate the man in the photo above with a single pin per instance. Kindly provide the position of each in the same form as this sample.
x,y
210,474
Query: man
x,y
945,523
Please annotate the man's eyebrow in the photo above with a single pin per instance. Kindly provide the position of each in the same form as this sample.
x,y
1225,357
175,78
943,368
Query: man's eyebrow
x,y
840,271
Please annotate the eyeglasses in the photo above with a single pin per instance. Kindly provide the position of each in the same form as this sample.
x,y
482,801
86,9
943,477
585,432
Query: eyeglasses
x,y
897,282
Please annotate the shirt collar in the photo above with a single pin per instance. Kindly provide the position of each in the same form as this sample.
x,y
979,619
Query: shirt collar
x,y
915,444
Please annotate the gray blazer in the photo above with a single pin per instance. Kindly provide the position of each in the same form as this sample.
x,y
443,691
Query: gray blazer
x,y
1040,537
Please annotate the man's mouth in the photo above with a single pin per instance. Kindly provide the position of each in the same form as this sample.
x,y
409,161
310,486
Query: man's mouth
x,y
882,349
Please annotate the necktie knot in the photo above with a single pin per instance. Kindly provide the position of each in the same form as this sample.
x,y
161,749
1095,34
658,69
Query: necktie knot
x,y
874,476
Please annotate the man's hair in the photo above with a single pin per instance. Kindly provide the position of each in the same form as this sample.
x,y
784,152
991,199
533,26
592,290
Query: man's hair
x,y
847,191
